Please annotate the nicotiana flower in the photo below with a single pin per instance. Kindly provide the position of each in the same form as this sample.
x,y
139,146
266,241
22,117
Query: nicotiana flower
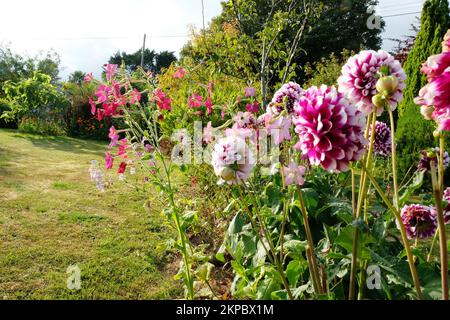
x,y
250,92
447,207
180,73
360,75
432,155
88,78
109,161
113,136
279,128
420,221
243,120
331,130
208,134
195,101
97,175
162,100
382,144
252,107
111,70
285,98
232,160
293,174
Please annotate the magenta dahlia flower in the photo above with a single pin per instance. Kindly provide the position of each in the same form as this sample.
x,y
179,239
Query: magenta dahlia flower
x,y
285,98
382,145
420,221
331,130
428,156
360,75
232,160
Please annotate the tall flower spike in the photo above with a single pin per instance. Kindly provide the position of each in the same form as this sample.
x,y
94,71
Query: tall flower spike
x,y
360,75
420,221
331,130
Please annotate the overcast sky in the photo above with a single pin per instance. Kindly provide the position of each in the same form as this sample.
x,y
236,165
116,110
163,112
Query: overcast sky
x,y
85,33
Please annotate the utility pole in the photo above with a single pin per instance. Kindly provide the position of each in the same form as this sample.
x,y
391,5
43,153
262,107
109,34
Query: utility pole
x,y
142,52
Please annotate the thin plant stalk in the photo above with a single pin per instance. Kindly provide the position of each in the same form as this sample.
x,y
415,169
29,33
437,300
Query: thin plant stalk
x,y
361,199
314,270
405,240
394,160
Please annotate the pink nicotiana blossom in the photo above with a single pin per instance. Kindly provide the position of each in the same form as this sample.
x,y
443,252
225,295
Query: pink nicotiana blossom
x,y
360,75
122,168
250,92
279,128
109,161
113,136
111,70
208,105
293,174
232,160
97,175
88,78
331,130
420,221
180,73
123,148
93,106
208,135
135,96
252,107
195,101
162,100
285,98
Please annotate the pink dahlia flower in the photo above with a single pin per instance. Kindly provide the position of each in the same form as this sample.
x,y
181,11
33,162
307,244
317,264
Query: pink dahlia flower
x,y
382,145
331,130
285,98
360,75
420,221
232,160
436,65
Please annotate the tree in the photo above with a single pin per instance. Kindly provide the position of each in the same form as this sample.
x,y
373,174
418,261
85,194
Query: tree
x,y
434,24
152,61
77,77
290,32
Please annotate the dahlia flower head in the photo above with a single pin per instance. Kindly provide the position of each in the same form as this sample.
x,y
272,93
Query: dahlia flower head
x,y
331,130
434,98
447,208
420,221
285,98
446,43
232,160
382,144
360,75
425,159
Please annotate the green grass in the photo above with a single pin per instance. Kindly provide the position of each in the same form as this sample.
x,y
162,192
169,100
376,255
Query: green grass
x,y
52,216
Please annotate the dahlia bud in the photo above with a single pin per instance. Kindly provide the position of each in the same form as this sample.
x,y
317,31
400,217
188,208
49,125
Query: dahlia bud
x,y
387,84
436,134
378,101
227,174
427,112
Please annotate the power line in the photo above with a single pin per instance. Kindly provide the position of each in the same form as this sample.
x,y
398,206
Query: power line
x,y
402,14
402,5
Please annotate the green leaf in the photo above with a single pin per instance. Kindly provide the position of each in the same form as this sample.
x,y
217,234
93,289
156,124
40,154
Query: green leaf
x,y
412,187
294,270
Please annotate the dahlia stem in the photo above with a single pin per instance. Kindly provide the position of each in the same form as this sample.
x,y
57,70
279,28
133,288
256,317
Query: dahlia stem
x,y
353,194
433,243
438,194
314,268
405,240
394,159
361,199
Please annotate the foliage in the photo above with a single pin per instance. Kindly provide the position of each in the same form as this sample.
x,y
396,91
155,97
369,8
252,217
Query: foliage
x,y
35,97
326,70
153,61
434,23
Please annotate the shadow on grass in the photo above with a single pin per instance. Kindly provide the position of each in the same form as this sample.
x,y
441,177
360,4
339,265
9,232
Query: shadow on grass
x,y
66,144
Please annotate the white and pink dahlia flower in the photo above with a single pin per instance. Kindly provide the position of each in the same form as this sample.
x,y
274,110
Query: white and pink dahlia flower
x,y
360,75
232,160
331,130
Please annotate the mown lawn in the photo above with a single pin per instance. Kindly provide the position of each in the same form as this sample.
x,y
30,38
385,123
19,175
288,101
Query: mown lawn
x,y
52,216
